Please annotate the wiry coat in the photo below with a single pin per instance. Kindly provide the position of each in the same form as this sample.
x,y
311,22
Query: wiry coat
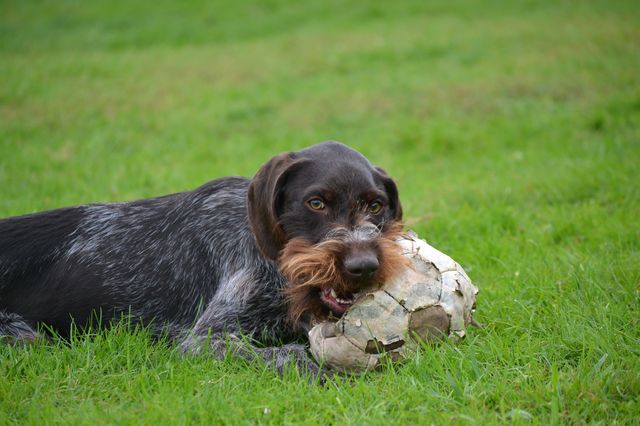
x,y
208,263
164,261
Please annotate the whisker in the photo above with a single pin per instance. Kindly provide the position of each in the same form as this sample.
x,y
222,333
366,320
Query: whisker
x,y
310,268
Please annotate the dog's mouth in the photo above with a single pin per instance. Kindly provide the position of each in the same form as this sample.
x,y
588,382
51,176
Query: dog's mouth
x,y
338,304
321,285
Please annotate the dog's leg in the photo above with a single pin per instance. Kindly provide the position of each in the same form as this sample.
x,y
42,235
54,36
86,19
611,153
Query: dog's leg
x,y
281,358
15,330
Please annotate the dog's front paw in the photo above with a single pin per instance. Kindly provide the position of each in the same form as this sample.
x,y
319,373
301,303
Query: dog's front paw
x,y
296,356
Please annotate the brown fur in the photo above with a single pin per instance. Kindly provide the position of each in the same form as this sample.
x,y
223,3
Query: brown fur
x,y
310,268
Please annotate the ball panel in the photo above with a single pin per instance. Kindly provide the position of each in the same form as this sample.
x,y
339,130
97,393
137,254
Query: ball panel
x,y
376,316
469,293
429,324
453,301
418,247
375,346
337,352
414,290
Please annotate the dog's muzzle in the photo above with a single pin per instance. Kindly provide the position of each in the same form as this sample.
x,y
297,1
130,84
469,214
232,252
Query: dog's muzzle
x,y
327,277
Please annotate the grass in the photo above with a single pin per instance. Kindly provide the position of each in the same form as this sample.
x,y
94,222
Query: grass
x,y
512,129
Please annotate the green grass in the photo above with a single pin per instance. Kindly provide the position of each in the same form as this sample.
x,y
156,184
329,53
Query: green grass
x,y
512,129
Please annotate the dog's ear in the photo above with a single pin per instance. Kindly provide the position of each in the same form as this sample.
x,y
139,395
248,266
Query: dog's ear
x,y
392,192
264,196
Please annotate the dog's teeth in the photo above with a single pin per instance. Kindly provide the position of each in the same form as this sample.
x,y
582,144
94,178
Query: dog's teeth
x,y
334,295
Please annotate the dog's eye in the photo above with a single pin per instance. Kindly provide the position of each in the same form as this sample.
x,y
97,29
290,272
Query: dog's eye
x,y
374,207
316,204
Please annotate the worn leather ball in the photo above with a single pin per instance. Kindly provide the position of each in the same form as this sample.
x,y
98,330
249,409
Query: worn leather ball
x,y
432,299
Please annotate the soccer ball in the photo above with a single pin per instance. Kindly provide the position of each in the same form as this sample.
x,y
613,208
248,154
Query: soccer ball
x,y
433,299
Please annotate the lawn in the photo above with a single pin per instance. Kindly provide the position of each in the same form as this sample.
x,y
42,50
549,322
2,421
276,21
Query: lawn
x,y
511,128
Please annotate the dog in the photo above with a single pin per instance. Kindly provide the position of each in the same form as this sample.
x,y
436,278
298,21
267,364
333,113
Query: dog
x,y
262,258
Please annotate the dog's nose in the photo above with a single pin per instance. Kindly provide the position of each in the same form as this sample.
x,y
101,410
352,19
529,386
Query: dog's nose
x,y
362,265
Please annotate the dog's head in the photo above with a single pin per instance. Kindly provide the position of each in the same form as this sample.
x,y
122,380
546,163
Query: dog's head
x,y
330,219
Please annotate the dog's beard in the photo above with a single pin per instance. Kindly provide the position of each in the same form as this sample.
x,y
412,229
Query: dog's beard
x,y
316,283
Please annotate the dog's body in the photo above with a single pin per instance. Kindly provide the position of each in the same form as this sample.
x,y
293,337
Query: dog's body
x,y
160,260
262,257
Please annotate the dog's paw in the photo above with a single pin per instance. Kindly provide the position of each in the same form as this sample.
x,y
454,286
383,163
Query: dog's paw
x,y
283,359
296,356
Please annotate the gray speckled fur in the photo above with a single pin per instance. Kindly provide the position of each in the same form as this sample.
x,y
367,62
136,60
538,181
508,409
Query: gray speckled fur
x,y
186,263
362,233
